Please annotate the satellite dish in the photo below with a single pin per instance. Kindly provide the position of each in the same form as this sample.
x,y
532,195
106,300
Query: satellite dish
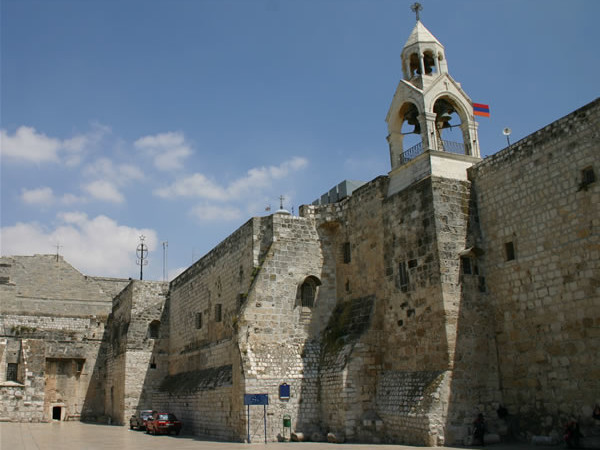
x,y
506,131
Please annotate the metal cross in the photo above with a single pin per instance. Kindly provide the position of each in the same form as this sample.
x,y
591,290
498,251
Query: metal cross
x,y
281,198
416,8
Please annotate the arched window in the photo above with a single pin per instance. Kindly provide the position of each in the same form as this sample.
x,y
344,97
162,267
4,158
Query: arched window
x,y
153,329
308,291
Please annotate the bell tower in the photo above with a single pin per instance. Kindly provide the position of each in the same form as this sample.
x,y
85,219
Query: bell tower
x,y
429,101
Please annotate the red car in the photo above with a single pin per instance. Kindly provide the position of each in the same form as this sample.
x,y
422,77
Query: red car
x,y
161,423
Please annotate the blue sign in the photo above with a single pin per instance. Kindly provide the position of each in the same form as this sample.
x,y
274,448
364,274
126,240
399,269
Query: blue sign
x,y
284,391
256,399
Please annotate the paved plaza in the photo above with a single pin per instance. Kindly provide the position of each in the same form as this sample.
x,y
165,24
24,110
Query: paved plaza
x,y
81,436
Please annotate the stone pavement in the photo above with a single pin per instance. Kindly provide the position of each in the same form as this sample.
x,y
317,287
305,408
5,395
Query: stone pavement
x,y
80,436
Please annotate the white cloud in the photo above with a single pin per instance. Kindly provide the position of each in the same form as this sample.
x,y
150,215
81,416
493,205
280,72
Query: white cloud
x,y
29,145
40,196
214,213
196,185
256,179
71,199
45,196
98,246
167,149
120,174
104,190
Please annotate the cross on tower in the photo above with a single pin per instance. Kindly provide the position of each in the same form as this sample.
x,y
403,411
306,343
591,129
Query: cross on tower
x,y
416,8
281,198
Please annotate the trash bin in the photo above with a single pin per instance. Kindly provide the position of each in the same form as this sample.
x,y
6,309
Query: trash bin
x,y
287,421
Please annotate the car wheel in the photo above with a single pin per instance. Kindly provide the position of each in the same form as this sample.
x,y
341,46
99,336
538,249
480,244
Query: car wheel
x,y
147,430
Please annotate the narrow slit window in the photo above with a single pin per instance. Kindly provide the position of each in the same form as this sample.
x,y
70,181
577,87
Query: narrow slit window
x,y
347,253
509,251
218,312
198,320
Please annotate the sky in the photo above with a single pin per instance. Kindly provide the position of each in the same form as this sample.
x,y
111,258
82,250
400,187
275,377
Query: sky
x,y
179,120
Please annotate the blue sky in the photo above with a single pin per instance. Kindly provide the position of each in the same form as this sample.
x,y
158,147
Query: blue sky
x,y
181,119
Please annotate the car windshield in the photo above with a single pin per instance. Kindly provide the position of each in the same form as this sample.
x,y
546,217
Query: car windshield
x,y
146,414
167,417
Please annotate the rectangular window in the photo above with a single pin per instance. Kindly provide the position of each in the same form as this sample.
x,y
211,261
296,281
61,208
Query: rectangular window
x,y
11,371
218,316
466,265
587,176
509,251
198,320
403,276
79,365
347,252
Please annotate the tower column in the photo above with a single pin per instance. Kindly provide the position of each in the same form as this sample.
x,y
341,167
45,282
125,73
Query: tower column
x,y
469,130
422,63
437,63
430,140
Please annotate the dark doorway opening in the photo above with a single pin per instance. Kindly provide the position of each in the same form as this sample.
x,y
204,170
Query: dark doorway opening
x,y
56,412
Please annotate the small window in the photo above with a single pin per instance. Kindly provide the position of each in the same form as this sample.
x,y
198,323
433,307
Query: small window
x,y
153,329
587,176
198,320
466,265
307,292
218,312
79,365
11,371
347,253
509,251
412,263
481,286
403,276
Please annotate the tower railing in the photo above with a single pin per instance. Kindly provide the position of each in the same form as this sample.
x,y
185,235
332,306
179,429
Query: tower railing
x,y
448,146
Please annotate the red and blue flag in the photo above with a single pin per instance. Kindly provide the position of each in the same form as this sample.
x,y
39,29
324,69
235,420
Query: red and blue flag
x,y
479,109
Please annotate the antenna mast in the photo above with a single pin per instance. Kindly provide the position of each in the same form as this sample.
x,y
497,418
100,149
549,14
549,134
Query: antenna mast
x,y
142,255
165,245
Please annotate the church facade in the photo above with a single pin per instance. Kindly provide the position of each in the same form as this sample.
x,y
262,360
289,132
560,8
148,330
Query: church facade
x,y
392,313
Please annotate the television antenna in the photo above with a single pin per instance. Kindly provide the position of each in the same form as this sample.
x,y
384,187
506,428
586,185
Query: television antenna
x,y
142,255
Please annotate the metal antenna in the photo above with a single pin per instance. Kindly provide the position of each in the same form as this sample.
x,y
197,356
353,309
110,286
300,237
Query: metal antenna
x,y
165,245
58,246
142,255
416,8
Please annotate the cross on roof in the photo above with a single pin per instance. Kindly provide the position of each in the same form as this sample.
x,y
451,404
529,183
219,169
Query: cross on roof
x,y
416,8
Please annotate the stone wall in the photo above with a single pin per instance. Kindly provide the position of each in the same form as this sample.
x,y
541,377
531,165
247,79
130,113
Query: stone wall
x,y
540,233
136,358
276,332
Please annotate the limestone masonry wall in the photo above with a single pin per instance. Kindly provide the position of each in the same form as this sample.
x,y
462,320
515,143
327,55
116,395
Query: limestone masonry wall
x,y
540,227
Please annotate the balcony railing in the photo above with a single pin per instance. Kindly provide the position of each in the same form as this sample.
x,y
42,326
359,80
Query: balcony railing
x,y
448,146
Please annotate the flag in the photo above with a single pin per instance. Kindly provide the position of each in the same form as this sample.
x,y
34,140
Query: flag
x,y
479,109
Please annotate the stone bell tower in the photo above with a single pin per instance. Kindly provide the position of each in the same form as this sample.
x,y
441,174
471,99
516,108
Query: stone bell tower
x,y
429,100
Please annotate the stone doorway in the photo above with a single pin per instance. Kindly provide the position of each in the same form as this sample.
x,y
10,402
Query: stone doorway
x,y
56,412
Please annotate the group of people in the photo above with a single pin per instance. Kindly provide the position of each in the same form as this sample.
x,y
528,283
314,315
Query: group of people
x,y
572,433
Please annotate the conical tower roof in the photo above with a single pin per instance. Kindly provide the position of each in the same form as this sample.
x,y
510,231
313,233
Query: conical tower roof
x,y
420,34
